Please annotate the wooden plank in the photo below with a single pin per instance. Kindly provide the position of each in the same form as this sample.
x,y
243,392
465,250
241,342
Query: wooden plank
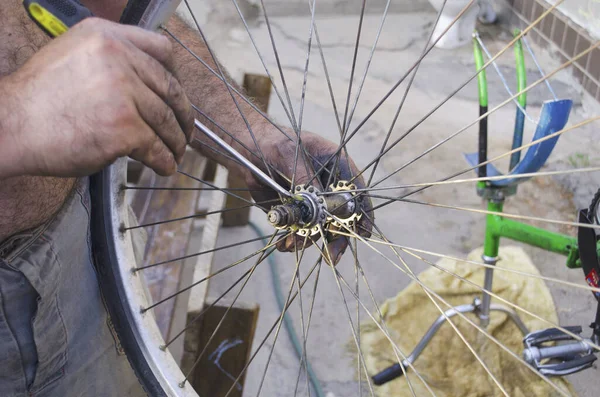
x,y
203,238
239,217
228,352
258,87
202,267
169,240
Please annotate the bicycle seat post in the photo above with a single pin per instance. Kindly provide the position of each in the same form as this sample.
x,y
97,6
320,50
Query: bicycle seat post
x,y
491,247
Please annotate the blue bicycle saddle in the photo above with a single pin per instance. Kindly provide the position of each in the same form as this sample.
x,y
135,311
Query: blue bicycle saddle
x,y
553,118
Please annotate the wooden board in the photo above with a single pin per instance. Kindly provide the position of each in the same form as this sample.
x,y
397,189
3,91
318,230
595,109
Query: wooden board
x,y
168,240
228,352
258,87
202,267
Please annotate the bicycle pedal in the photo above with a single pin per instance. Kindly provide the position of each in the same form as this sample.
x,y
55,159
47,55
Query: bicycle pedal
x,y
550,335
561,359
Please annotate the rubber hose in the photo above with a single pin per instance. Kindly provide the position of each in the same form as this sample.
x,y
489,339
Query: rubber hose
x,y
287,321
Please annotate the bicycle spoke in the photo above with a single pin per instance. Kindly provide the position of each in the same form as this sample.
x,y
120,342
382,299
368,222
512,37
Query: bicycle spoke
x,y
408,87
328,79
470,180
303,95
246,100
346,122
353,67
507,101
216,273
262,61
364,77
277,60
394,87
577,337
448,97
198,215
470,262
435,108
281,317
216,187
199,189
361,357
281,174
483,163
199,315
231,86
204,252
501,214
506,301
308,369
264,340
356,264
214,333
429,292
297,279
236,103
383,328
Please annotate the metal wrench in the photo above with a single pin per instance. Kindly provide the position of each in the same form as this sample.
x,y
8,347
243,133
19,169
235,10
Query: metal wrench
x,y
238,156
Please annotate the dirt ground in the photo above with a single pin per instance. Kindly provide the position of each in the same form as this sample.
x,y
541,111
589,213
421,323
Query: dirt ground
x,y
445,231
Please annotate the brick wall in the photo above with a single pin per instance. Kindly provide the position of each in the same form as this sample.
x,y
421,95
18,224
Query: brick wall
x,y
565,36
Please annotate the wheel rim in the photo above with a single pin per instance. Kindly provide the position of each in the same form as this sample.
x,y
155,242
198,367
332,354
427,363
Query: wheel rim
x,y
143,325
147,330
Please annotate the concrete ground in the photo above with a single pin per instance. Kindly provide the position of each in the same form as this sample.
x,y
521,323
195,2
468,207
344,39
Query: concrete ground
x,y
441,230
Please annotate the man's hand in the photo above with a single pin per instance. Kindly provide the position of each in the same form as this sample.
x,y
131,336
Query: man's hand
x,y
99,92
279,152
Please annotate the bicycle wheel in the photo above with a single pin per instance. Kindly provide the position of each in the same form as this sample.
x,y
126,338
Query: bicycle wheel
x,y
406,127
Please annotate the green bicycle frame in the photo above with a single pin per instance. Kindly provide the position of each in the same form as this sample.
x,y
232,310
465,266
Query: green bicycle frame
x,y
498,226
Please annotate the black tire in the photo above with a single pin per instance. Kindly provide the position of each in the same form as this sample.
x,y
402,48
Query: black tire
x,y
111,285
594,207
105,260
133,12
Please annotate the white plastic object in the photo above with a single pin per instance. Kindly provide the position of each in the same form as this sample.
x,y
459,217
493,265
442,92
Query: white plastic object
x,y
461,32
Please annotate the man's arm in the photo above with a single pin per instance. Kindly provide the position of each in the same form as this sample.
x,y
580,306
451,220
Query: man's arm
x,y
98,92
209,93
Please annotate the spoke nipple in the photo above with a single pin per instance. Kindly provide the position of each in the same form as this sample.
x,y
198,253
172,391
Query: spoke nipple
x,y
181,384
134,270
143,310
162,347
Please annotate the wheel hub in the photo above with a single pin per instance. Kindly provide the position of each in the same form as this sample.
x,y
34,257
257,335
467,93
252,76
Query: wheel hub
x,y
310,209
